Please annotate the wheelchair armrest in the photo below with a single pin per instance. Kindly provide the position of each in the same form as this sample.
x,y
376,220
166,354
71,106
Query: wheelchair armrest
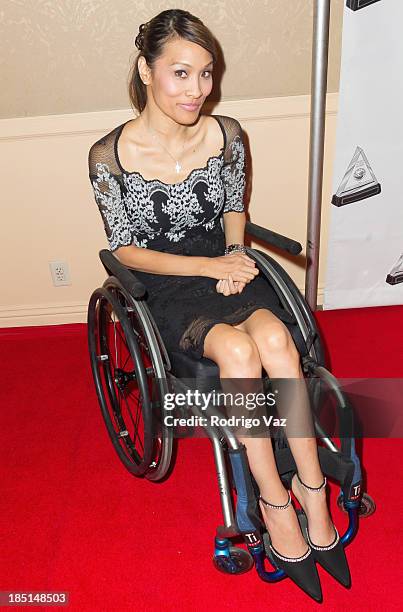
x,y
277,240
125,275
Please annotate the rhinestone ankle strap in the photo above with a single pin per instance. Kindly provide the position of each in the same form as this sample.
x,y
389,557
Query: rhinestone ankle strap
x,y
283,507
291,559
313,489
323,548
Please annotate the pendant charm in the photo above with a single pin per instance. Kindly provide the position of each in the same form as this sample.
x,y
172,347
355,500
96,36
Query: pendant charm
x,y
178,167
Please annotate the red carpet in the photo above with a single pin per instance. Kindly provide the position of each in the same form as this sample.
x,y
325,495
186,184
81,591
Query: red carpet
x,y
74,520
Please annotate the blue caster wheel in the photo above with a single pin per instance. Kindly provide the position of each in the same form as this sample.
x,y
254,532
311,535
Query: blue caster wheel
x,y
238,561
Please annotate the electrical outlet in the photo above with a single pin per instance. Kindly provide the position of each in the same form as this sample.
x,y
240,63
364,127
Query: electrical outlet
x,y
60,273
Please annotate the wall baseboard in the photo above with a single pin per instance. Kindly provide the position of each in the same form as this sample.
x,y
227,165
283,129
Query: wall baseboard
x,y
43,314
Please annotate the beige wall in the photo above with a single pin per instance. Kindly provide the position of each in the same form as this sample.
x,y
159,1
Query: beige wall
x,y
64,65
49,211
72,56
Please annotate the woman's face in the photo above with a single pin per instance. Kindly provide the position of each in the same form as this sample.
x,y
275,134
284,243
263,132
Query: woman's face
x,y
181,80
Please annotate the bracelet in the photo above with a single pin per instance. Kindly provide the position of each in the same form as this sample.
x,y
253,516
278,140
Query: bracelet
x,y
234,248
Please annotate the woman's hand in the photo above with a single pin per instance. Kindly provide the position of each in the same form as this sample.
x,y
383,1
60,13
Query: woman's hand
x,y
229,287
239,266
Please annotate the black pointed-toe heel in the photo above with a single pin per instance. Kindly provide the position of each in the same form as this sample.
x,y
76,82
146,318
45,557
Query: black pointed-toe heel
x,y
331,557
302,570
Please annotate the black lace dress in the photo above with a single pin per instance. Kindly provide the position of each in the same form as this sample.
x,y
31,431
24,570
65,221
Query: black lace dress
x,y
183,218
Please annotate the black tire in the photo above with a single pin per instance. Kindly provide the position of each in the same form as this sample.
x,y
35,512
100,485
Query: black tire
x,y
130,380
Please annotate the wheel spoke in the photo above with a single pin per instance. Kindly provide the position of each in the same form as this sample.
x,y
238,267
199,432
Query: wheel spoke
x,y
117,414
125,363
117,333
135,424
114,358
139,335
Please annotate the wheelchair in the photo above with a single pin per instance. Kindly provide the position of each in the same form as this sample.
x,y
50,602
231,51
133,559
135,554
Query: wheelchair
x,y
133,372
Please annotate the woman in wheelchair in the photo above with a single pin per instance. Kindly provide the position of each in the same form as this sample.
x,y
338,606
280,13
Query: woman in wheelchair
x,y
163,182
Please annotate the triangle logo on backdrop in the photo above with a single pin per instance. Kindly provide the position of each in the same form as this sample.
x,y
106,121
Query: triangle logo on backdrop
x,y
395,276
359,181
355,5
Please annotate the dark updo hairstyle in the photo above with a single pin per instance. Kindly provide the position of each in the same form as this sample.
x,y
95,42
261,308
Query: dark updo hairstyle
x,y
152,36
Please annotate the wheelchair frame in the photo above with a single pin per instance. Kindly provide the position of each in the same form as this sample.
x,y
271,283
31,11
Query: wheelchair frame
x,y
124,294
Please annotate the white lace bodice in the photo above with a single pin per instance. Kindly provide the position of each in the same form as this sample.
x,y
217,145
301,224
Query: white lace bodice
x,y
151,213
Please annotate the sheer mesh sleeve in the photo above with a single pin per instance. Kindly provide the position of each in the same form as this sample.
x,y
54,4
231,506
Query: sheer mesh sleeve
x,y
108,195
233,171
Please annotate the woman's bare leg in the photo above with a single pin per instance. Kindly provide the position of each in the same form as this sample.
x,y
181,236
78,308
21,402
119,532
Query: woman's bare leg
x,y
280,359
237,356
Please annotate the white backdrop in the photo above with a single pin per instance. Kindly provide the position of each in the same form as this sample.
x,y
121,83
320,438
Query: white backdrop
x,y
366,235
